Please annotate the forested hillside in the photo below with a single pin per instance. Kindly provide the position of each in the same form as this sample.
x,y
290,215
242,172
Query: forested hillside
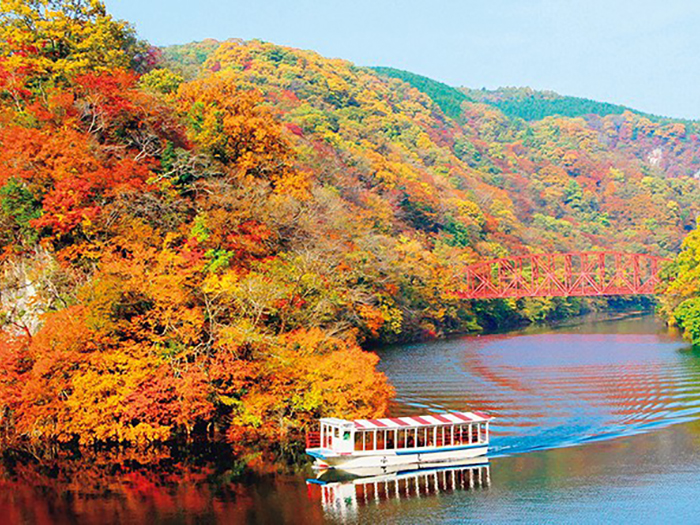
x,y
645,136
197,241
589,172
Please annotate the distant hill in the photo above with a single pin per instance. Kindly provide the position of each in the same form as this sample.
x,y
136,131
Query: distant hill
x,y
515,102
529,104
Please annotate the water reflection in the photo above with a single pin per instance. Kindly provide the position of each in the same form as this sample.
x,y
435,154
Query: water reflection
x,y
155,487
344,494
566,387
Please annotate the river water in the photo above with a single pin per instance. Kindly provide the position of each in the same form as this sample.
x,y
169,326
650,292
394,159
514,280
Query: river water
x,y
597,422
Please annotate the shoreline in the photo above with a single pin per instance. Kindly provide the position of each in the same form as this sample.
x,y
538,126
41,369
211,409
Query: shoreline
x,y
605,316
221,453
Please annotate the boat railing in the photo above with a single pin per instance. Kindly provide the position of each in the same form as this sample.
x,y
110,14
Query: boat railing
x,y
313,439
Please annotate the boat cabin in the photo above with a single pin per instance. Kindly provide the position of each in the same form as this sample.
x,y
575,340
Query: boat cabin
x,y
337,435
455,429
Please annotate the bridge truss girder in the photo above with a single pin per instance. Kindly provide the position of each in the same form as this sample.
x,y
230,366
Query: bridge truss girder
x,y
576,274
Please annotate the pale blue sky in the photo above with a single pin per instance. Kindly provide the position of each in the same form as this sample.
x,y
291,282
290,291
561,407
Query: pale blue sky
x,y
642,53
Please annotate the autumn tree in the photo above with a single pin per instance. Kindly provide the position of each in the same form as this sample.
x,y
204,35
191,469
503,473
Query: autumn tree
x,y
58,39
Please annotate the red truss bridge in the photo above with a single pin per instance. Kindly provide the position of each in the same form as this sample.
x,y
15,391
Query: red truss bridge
x,y
575,274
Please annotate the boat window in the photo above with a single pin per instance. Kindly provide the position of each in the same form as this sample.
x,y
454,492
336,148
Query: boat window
x,y
346,435
462,435
367,439
421,437
475,433
327,435
390,439
337,432
401,438
359,436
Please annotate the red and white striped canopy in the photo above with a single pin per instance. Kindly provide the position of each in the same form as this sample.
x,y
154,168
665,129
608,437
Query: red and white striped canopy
x,y
450,418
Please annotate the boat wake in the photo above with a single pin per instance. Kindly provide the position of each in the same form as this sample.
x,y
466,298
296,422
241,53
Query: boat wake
x,y
552,390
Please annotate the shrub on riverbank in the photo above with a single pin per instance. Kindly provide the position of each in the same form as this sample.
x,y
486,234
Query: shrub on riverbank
x,y
681,283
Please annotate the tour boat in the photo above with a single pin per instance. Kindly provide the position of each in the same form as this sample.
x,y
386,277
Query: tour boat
x,y
418,440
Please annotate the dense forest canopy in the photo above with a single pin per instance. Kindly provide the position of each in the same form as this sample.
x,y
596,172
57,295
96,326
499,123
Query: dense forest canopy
x,y
199,240
530,104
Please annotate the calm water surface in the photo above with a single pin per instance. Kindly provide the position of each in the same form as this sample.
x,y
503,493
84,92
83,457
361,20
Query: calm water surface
x,y
598,422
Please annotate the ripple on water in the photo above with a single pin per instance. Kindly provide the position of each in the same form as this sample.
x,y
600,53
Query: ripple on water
x,y
554,389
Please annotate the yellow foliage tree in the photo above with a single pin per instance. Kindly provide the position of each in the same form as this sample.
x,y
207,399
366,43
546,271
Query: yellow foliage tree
x,y
234,127
62,38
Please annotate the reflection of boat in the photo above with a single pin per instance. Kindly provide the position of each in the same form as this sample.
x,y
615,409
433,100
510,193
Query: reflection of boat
x,y
341,494
399,441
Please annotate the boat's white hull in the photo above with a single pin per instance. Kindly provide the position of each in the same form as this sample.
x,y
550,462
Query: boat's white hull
x,y
392,458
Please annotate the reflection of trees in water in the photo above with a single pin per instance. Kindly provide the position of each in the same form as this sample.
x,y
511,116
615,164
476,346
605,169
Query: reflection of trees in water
x,y
131,486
